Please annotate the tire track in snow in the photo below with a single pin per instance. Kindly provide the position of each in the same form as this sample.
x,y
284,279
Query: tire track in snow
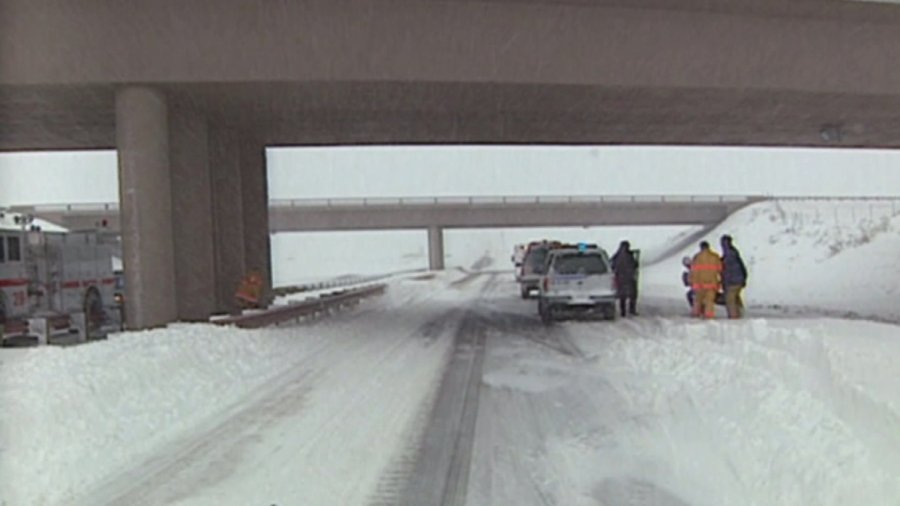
x,y
442,464
396,479
441,467
555,338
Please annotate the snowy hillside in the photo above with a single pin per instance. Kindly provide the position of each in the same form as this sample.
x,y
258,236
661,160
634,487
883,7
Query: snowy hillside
x,y
840,256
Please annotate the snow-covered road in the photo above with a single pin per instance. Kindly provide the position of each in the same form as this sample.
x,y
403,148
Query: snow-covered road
x,y
666,410
448,390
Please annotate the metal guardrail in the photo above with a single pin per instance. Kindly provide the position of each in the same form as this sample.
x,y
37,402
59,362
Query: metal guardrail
x,y
474,200
57,208
291,312
425,201
506,200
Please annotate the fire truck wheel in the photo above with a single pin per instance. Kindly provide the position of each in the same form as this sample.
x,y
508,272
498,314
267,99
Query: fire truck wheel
x,y
93,312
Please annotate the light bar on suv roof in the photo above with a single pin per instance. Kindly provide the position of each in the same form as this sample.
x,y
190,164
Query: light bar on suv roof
x,y
576,246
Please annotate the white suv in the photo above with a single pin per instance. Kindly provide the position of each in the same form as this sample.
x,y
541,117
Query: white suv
x,y
578,281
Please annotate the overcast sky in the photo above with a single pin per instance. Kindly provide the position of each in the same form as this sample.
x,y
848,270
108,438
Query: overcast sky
x,y
74,177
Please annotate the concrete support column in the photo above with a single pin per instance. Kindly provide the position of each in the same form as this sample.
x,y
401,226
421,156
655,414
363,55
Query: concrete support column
x,y
436,248
255,201
192,221
227,213
145,203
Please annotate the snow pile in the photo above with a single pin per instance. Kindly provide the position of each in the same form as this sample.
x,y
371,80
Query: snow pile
x,y
795,412
839,256
95,407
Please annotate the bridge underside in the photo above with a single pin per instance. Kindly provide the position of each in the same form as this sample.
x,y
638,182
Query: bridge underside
x,y
83,116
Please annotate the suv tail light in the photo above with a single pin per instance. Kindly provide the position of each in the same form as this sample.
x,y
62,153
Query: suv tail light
x,y
546,283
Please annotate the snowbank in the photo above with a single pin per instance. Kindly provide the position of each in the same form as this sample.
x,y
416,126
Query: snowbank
x,y
96,407
788,412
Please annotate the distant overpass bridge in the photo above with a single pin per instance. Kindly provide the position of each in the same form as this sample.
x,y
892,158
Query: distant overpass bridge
x,y
437,213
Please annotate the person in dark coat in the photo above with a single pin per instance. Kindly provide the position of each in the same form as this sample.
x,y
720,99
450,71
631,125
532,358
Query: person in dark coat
x,y
734,277
625,267
686,280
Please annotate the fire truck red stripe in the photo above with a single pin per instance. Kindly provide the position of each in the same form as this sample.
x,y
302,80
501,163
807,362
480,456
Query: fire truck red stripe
x,y
13,282
88,282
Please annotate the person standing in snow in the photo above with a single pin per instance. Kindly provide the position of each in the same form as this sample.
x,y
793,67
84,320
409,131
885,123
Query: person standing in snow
x,y
686,280
734,277
249,294
706,279
625,266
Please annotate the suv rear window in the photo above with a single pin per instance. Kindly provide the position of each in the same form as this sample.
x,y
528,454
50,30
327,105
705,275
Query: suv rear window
x,y
536,258
580,264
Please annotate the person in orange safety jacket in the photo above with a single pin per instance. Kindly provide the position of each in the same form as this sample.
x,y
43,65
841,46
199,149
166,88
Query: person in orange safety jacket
x,y
249,293
706,280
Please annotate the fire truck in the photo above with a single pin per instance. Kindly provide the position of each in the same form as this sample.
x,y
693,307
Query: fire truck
x,y
54,282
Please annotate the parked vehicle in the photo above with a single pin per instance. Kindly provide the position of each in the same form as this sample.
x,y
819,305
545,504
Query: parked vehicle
x,y
533,264
53,281
578,282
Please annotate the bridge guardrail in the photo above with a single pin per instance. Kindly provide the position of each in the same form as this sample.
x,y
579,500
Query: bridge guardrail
x,y
290,312
100,207
505,200
57,208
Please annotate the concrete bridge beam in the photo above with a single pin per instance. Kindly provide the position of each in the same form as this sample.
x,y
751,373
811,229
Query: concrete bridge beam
x,y
436,248
192,220
255,199
240,208
227,213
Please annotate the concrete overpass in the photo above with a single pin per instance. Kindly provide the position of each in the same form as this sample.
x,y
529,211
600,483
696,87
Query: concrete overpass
x,y
437,213
190,93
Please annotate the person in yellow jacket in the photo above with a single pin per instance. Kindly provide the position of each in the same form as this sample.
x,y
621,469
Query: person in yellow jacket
x,y
706,280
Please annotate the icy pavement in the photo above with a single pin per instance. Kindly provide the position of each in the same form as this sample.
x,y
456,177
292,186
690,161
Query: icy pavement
x,y
658,410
